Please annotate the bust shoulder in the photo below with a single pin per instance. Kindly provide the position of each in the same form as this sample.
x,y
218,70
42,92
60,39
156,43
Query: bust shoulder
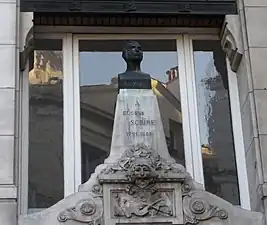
x,y
134,80
129,74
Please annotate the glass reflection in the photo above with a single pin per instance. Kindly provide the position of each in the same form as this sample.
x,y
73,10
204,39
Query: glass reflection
x,y
216,136
100,63
46,182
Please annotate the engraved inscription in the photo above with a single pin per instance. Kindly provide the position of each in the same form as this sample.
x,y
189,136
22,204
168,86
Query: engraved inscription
x,y
131,113
138,122
143,122
143,134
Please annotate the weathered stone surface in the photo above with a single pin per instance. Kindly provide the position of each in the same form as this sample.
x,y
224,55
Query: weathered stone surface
x,y
8,209
256,22
140,182
249,3
258,65
7,111
6,156
8,24
8,68
253,177
243,80
247,125
261,108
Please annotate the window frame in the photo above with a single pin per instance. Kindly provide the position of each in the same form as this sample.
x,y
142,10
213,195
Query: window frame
x,y
193,155
71,96
235,111
24,129
181,65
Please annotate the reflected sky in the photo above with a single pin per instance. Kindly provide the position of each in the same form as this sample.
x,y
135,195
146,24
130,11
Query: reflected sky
x,y
110,64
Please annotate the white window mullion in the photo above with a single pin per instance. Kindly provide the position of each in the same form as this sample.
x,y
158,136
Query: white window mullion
x,y
193,112
184,106
68,96
238,139
77,117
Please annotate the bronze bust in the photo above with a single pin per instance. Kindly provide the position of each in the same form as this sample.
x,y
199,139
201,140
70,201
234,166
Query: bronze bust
x,y
133,77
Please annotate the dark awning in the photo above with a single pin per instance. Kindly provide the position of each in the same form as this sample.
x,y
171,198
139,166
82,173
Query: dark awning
x,y
163,7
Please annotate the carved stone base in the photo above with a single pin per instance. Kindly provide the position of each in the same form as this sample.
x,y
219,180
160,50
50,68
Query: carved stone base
x,y
172,203
141,183
156,204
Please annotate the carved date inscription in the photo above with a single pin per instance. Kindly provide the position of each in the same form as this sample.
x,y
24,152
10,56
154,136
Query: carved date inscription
x,y
143,134
138,122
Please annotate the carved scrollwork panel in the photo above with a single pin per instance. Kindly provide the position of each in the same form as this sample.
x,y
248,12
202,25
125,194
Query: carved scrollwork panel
x,y
199,209
142,204
88,211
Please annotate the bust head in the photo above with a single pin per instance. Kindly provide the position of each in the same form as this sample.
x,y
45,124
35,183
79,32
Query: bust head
x,y
133,77
132,52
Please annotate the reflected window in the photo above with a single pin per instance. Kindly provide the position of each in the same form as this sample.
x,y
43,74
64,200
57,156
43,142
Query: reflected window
x,y
46,179
100,63
216,136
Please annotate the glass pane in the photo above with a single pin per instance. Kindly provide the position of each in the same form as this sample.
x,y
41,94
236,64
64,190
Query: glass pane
x,y
46,181
100,63
216,135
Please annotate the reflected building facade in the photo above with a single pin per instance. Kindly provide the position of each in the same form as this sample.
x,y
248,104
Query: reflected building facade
x,y
219,165
97,116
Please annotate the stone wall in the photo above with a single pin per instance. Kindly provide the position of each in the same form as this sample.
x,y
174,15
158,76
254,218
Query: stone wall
x,y
252,85
8,93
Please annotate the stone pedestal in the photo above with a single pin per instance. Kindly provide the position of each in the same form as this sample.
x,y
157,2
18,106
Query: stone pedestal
x,y
137,121
139,182
142,187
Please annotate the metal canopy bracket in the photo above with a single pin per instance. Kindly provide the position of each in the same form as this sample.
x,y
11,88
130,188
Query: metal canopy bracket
x,y
199,7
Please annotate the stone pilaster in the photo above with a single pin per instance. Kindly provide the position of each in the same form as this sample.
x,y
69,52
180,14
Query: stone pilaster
x,y
253,14
252,84
8,72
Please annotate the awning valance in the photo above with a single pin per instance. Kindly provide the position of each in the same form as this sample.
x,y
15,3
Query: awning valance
x,y
167,7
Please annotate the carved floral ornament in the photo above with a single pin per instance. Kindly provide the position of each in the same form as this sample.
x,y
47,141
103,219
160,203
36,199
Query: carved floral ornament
x,y
88,211
142,195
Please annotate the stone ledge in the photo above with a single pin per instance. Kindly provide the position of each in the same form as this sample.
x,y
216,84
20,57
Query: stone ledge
x,y
8,192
